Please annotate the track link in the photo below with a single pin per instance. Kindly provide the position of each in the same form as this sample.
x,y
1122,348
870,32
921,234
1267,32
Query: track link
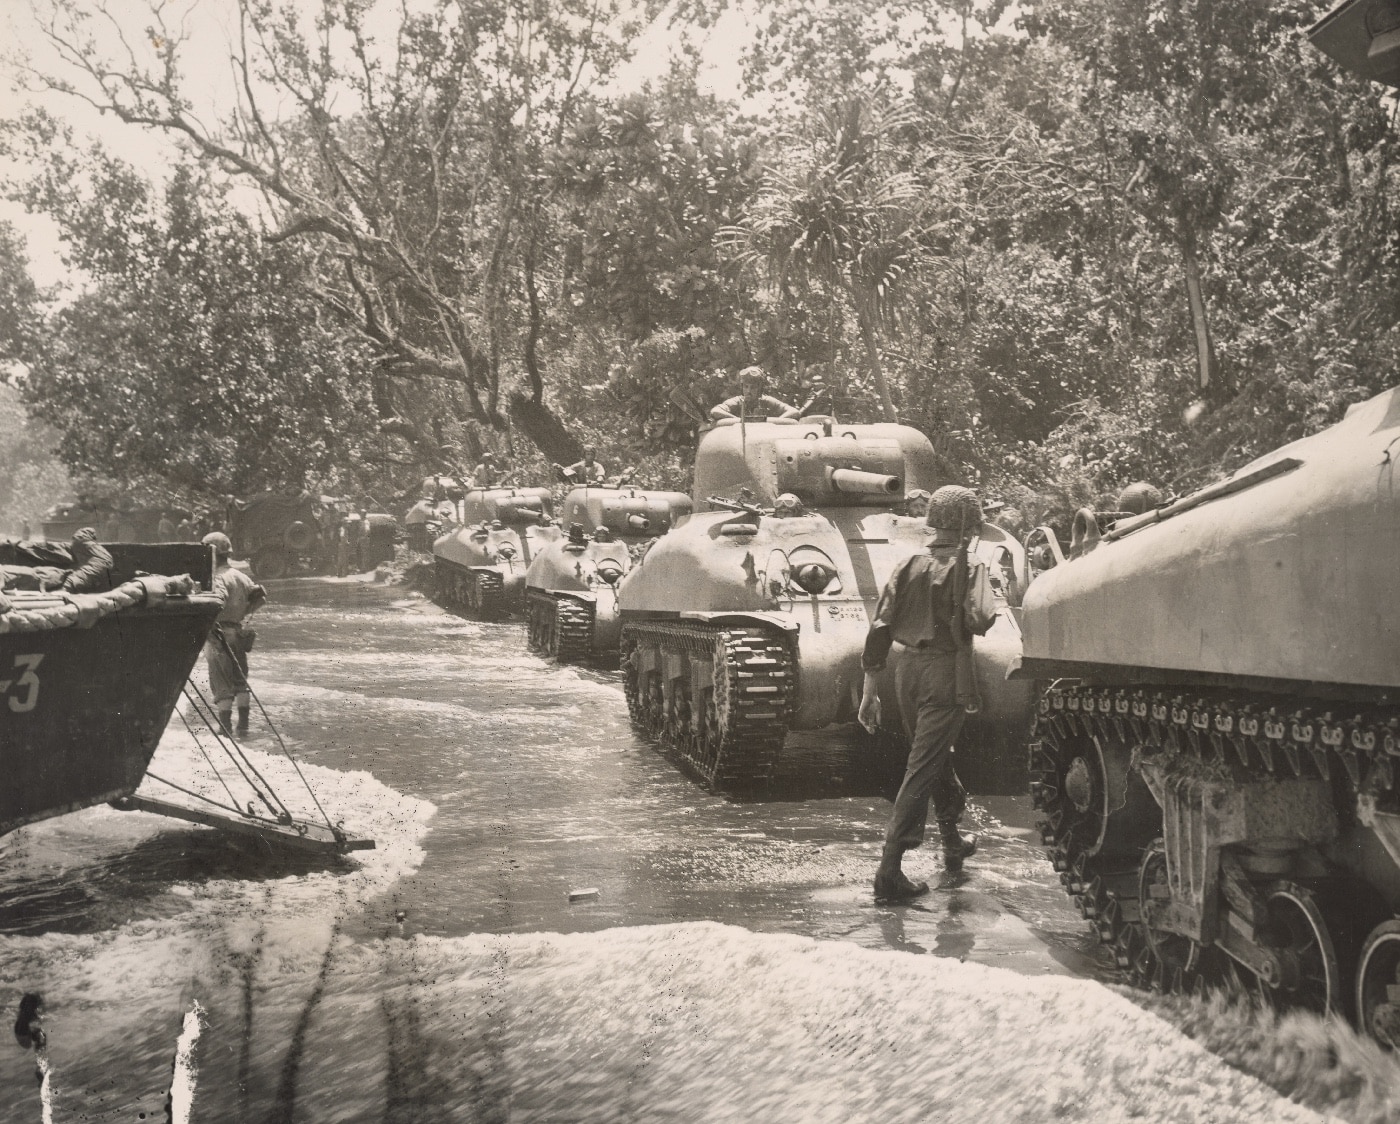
x,y
720,696
479,593
1262,736
560,627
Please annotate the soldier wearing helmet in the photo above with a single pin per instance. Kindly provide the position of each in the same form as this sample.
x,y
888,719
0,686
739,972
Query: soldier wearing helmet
x,y
226,650
1139,498
920,611
751,402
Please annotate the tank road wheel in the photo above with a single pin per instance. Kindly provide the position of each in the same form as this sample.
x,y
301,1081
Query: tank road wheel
x,y
1378,985
573,630
1311,977
1167,961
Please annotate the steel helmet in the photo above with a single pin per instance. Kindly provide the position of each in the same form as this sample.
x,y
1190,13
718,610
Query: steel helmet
x,y
219,541
954,508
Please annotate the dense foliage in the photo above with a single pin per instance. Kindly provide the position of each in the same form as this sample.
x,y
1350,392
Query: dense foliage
x,y
1077,241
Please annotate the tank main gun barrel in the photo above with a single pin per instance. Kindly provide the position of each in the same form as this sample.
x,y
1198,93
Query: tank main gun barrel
x,y
638,522
519,507
865,483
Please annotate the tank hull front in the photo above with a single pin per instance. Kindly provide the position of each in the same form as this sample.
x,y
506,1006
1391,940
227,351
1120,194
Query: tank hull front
x,y
700,571
1290,581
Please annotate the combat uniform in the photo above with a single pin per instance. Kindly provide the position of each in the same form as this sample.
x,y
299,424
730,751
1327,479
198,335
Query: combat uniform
x,y
586,472
916,611
764,406
227,647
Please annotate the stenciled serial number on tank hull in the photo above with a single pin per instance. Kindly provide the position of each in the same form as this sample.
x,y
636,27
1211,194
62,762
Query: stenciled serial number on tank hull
x,y
26,687
846,612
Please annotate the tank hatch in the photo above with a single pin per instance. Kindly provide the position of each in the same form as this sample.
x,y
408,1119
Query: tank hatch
x,y
1363,37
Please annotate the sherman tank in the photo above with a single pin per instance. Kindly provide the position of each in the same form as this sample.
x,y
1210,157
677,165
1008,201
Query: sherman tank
x,y
749,618
1215,755
479,566
571,586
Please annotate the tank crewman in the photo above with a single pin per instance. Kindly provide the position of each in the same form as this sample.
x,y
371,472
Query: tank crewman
x,y
165,529
917,610
226,650
488,473
916,503
751,402
589,471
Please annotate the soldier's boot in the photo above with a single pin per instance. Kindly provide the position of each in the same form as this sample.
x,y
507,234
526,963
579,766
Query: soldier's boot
x,y
956,847
242,721
226,722
891,883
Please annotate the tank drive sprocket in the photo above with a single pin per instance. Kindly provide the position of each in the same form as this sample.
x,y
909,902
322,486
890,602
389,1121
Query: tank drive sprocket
x,y
720,696
1098,813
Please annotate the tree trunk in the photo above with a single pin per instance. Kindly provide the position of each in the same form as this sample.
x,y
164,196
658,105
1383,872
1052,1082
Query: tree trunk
x,y
539,425
872,355
1205,348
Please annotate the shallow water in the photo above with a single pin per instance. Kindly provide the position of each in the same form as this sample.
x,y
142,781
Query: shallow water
x,y
495,784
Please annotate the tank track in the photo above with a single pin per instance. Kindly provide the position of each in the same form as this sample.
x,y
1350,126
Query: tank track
x,y
479,593
560,627
1254,733
736,738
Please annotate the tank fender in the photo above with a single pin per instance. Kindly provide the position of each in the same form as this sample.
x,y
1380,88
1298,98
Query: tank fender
x,y
772,620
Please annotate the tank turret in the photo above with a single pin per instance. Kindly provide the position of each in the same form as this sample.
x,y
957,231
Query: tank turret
x,y
572,582
749,618
480,563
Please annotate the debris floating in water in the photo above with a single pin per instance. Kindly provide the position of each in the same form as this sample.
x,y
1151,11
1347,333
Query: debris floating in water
x,y
583,895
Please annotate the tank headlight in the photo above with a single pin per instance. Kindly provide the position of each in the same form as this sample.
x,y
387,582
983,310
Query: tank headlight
x,y
813,576
610,574
506,550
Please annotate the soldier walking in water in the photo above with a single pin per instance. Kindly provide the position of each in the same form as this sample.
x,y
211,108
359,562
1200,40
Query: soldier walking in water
x,y
931,612
226,650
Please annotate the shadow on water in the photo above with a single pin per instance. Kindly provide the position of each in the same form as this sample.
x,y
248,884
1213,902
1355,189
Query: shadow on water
x,y
107,891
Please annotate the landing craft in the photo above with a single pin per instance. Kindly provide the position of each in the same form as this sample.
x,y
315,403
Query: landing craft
x,y
572,584
1216,755
479,566
749,618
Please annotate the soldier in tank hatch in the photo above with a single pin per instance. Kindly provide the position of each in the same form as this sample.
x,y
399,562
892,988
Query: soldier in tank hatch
x,y
923,609
228,645
751,401
588,471
490,472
